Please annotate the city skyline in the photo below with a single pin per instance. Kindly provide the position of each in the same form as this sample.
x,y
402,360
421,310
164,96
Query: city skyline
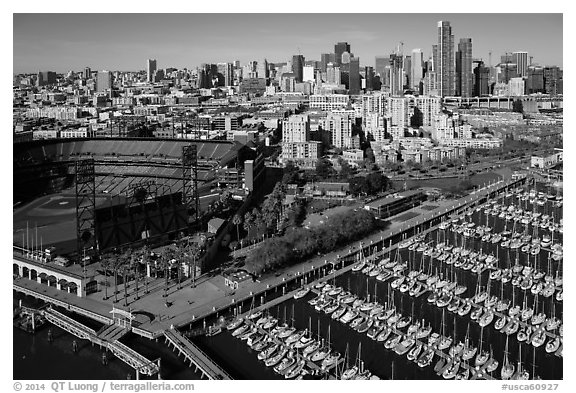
x,y
63,42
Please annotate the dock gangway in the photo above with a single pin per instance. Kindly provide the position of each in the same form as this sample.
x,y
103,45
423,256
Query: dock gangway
x,y
196,357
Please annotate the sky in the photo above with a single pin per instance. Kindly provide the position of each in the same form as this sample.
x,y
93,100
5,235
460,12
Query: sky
x,y
63,42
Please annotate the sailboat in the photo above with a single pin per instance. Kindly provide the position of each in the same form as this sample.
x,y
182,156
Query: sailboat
x,y
482,356
507,368
315,346
520,374
323,352
469,350
351,372
492,362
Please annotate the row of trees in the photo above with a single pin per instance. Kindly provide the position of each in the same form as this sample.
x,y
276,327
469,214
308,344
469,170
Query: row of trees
x,y
298,244
265,220
129,265
371,184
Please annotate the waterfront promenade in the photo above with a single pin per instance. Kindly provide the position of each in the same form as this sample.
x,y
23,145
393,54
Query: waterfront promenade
x,y
186,305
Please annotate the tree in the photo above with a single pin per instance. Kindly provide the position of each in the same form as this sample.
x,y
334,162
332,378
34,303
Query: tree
x,y
248,221
376,182
370,155
290,173
135,258
106,263
517,106
258,219
355,185
125,270
237,220
116,266
346,170
225,199
166,257
324,169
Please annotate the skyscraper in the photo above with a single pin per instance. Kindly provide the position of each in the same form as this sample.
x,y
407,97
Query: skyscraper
x,y
464,76
46,78
340,48
87,73
354,78
369,76
332,74
445,54
396,74
262,69
535,79
298,67
346,57
324,60
104,81
150,68
521,60
225,74
553,80
481,79
308,74
416,69
380,65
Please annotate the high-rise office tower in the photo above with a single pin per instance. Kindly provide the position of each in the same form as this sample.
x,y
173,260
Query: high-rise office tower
x,y
464,76
369,76
406,68
104,81
354,76
553,80
521,60
396,74
516,87
507,58
445,54
308,74
298,67
506,72
225,74
535,79
207,73
46,78
346,56
380,65
262,69
150,68
332,74
340,48
481,79
416,69
229,74
87,73
324,60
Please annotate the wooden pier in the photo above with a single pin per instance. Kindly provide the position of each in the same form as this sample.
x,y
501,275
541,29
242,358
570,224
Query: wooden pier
x,y
108,338
195,356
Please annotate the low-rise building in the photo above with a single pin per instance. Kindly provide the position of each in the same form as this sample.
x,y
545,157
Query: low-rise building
x,y
547,160
353,156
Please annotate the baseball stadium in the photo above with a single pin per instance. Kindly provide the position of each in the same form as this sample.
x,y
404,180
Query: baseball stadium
x,y
130,189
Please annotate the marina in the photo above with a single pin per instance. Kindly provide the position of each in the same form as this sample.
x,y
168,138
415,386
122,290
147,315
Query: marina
x,y
422,281
449,298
